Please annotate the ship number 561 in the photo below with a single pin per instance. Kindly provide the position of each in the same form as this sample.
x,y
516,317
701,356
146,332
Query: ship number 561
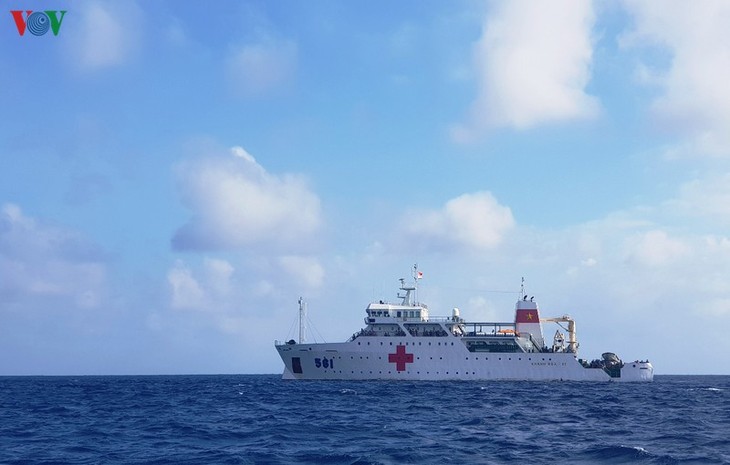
x,y
324,362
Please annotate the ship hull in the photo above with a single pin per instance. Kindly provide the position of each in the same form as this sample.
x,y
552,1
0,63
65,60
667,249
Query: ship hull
x,y
447,359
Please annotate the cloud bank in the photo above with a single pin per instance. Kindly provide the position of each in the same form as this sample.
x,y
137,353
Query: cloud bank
x,y
533,63
237,203
190,293
695,98
472,222
39,261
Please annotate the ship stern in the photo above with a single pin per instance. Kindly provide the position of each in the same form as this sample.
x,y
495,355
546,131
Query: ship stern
x,y
637,371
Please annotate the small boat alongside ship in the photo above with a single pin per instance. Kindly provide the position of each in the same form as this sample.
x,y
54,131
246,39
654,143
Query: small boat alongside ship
x,y
401,341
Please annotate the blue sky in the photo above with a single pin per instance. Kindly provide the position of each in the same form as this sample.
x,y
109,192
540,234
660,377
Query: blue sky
x,y
174,176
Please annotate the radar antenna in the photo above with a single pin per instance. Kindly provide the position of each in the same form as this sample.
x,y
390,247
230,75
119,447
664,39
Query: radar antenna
x,y
408,298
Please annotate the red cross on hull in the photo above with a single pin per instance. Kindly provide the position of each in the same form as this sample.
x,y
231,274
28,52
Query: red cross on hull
x,y
400,358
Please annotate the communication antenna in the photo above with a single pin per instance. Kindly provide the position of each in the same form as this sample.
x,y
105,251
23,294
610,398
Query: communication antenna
x,y
522,289
416,276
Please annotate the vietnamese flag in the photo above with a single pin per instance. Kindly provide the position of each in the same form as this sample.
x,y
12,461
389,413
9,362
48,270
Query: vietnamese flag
x,y
527,316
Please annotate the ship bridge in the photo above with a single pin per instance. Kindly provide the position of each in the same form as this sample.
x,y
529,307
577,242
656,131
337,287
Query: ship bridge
x,y
381,310
409,309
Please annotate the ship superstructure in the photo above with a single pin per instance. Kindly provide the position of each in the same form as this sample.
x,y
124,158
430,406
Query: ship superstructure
x,y
402,341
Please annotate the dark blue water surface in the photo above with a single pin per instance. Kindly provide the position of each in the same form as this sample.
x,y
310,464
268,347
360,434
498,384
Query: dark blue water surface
x,y
262,419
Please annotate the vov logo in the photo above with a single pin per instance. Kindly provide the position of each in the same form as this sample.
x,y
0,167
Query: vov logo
x,y
38,22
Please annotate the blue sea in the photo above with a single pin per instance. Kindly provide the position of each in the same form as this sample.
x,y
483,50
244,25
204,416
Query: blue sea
x,y
251,419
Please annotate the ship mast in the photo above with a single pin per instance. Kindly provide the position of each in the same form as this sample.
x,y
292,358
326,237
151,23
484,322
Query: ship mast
x,y
408,298
302,320
522,289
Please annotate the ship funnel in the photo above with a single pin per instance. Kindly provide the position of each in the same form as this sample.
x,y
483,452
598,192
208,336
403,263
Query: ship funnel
x,y
527,321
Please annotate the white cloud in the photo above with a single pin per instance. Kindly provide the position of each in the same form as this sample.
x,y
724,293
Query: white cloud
x,y
695,99
656,248
240,152
533,62
186,292
236,300
210,292
107,34
306,270
707,197
236,203
46,261
475,222
219,274
259,69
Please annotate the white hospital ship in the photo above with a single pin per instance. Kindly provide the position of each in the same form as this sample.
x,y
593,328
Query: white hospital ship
x,y
402,341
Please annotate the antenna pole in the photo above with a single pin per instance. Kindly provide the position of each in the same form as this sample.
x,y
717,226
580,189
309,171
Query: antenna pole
x,y
522,288
302,319
415,283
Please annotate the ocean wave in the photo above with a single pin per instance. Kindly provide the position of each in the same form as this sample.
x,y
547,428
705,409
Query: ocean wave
x,y
262,419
